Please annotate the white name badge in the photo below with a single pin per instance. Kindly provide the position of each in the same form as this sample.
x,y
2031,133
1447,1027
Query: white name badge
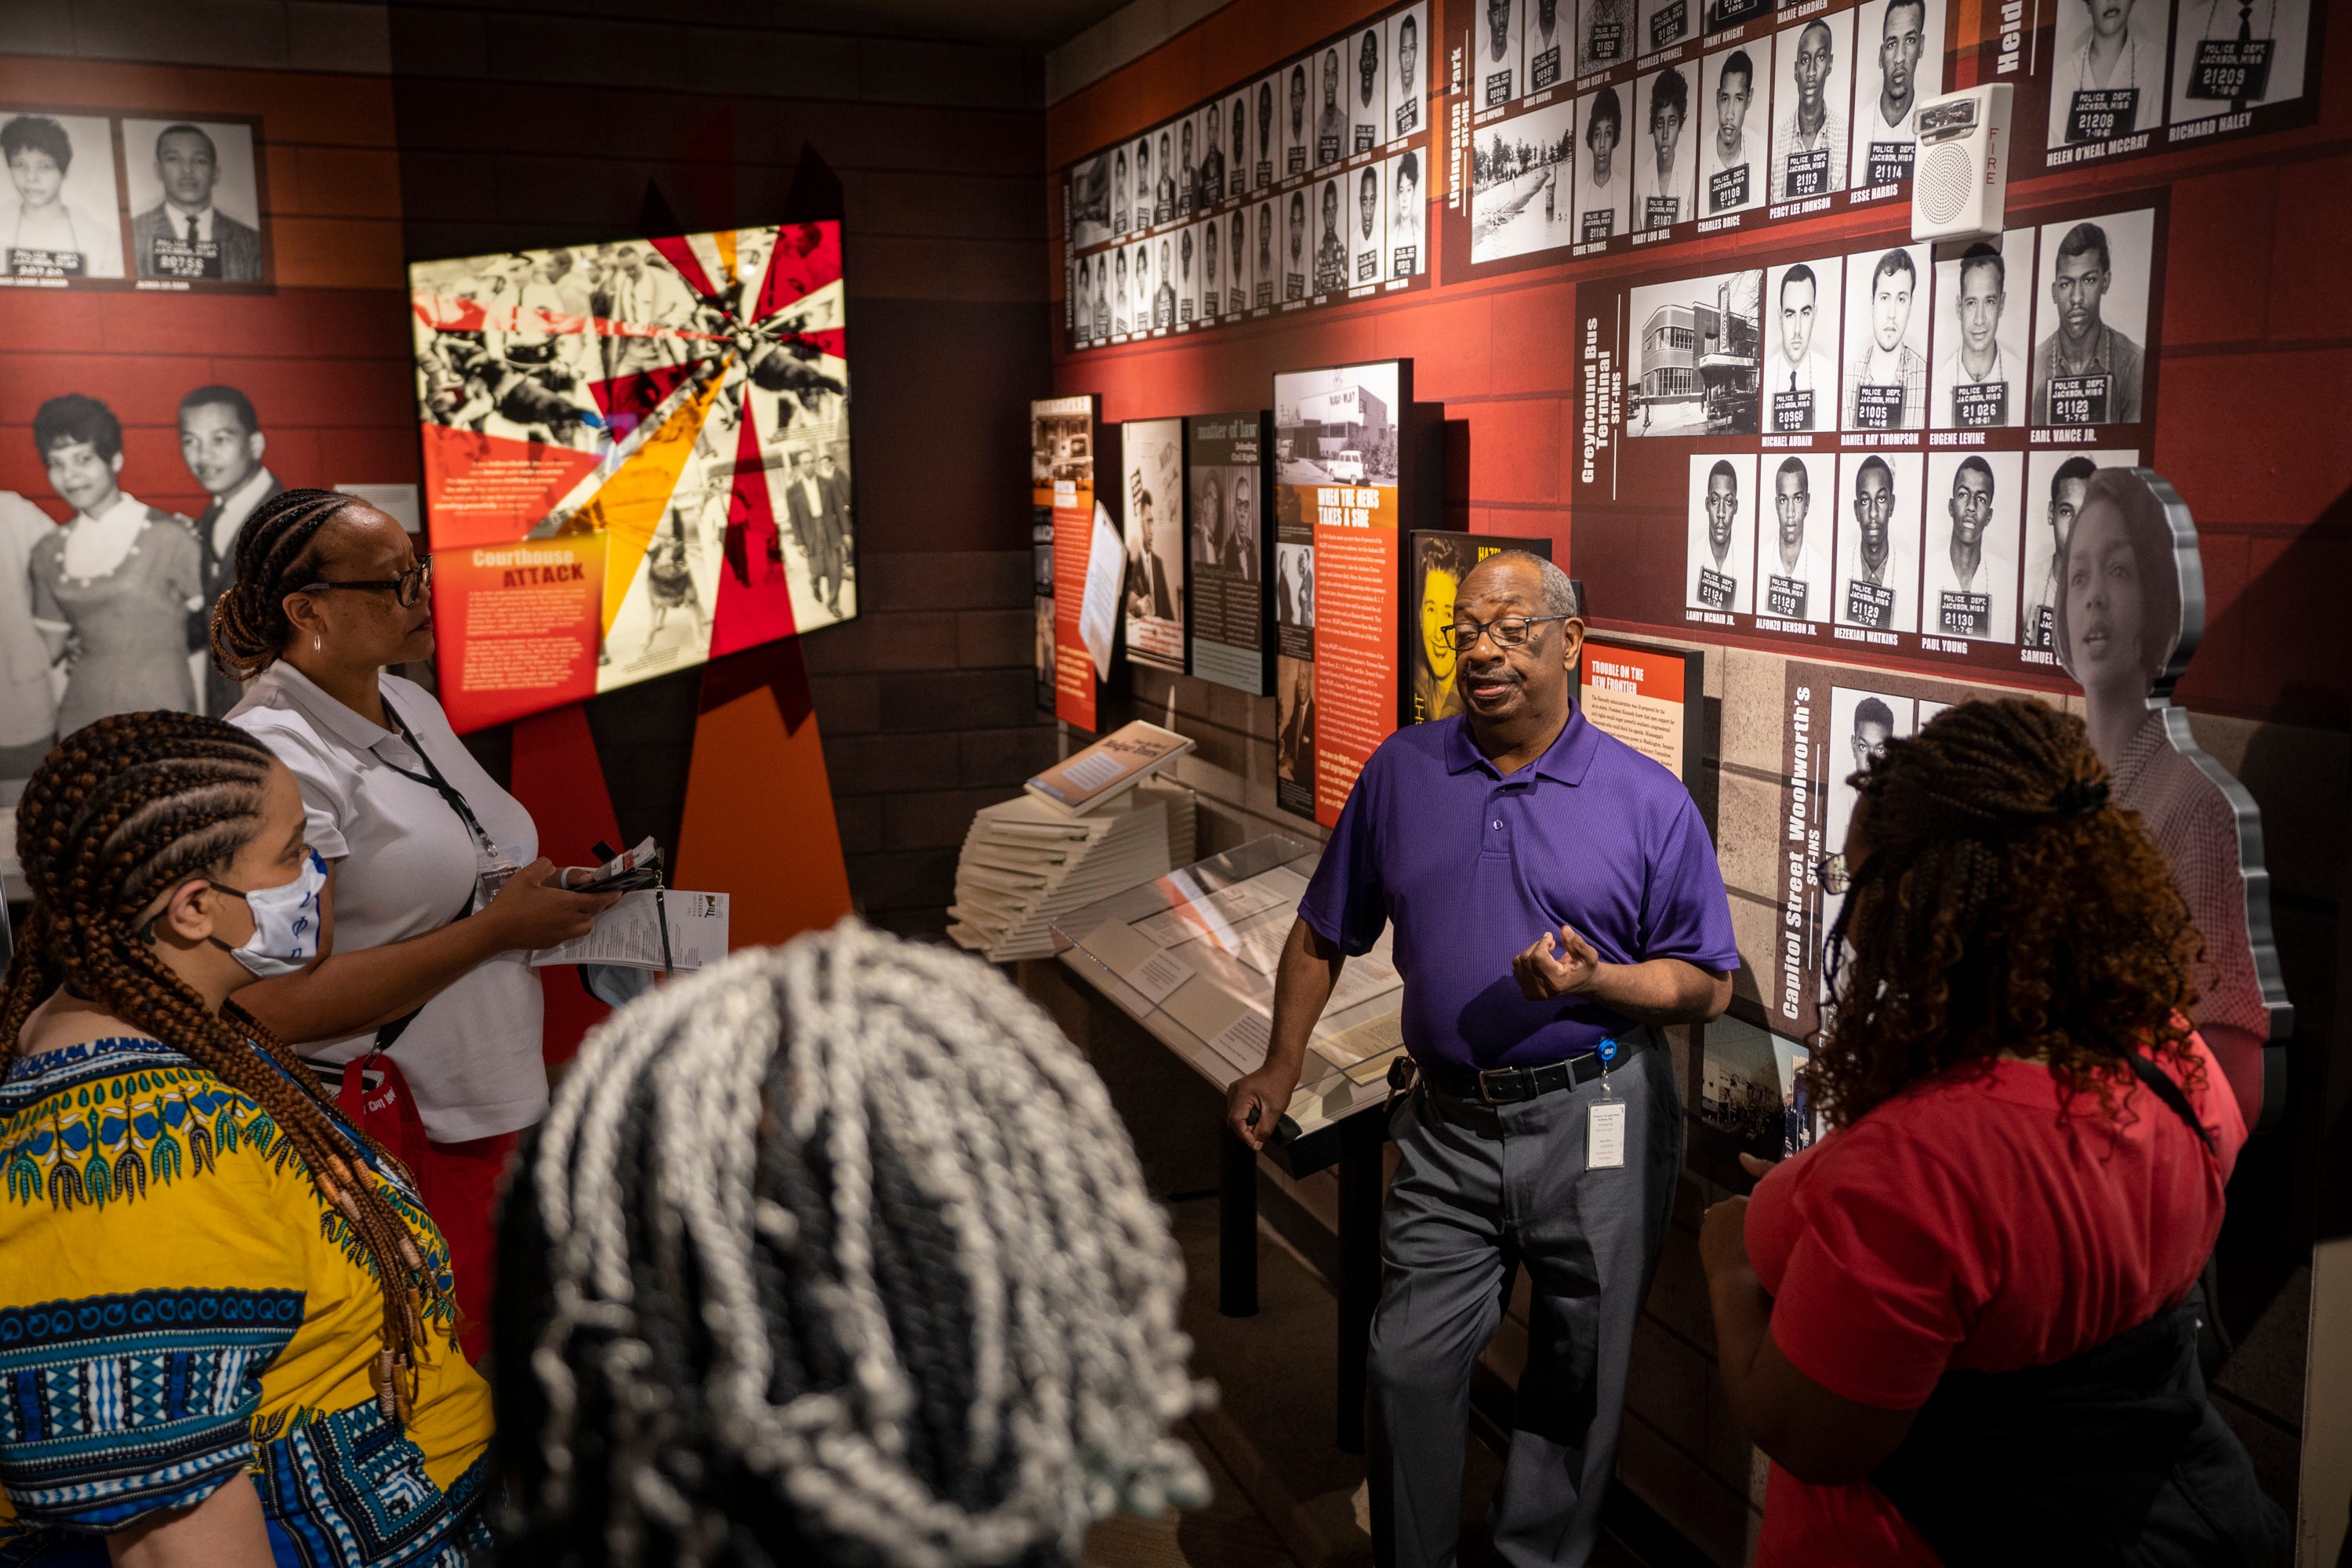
x,y
1605,1138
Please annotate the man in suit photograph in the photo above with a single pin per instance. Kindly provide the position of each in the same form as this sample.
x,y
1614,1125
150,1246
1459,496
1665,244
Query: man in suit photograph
x,y
1148,591
184,236
813,509
222,443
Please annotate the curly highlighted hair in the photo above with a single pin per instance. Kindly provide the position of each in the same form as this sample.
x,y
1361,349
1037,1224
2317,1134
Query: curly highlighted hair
x,y
2004,904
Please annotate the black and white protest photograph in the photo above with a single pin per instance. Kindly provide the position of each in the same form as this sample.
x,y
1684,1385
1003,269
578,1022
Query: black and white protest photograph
x,y
1968,560
1521,172
1368,228
1408,255
1604,183
1720,565
1812,89
1090,188
1408,68
1331,120
2091,323
2055,482
1898,48
2106,76
1665,159
1495,53
1693,366
194,197
1298,122
2231,56
1605,34
1886,318
1152,453
1795,532
1800,378
1665,23
59,211
1982,334
1735,125
1879,520
1366,90
1545,47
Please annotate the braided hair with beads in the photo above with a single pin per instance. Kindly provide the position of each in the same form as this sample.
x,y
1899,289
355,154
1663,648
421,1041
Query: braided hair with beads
x,y
276,553
2004,904
834,1253
120,812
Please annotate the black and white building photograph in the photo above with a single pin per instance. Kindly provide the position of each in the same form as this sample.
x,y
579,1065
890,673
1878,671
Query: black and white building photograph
x,y
1982,333
1969,558
1719,563
1693,363
1878,535
2091,323
60,209
194,198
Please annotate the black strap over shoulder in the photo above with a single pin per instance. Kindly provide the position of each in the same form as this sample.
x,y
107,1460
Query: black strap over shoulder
x,y
433,778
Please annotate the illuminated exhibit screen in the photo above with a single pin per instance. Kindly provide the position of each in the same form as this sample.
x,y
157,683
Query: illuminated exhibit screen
x,y
637,459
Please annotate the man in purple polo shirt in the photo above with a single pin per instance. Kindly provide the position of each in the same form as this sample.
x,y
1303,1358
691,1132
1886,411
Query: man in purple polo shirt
x,y
1517,820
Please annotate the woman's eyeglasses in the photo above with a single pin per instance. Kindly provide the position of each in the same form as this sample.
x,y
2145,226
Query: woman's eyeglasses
x,y
408,587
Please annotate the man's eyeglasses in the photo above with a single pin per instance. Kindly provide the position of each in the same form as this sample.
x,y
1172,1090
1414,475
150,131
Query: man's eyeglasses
x,y
1831,873
1511,631
408,587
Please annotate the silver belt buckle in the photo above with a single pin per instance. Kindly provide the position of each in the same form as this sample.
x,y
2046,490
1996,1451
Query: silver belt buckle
x,y
1488,1076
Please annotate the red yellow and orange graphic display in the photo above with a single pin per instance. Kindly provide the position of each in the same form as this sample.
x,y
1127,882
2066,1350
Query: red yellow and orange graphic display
x,y
636,458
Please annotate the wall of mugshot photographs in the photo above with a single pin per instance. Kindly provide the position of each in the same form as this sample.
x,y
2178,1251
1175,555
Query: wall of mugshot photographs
x,y
1680,120
131,199
1880,448
1304,186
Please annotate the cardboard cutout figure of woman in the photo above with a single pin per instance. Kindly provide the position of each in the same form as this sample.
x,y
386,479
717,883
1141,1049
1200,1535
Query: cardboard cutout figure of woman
x,y
2130,611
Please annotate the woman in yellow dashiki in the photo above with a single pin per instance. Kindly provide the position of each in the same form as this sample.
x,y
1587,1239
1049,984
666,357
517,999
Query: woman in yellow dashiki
x,y
225,1330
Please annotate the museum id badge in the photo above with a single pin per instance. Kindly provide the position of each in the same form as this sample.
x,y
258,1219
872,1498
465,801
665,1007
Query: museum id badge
x,y
492,871
1604,1130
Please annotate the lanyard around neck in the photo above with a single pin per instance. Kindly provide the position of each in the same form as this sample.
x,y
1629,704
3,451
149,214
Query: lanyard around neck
x,y
433,779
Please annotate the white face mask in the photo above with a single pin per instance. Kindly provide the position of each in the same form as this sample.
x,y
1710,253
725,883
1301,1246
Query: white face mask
x,y
285,921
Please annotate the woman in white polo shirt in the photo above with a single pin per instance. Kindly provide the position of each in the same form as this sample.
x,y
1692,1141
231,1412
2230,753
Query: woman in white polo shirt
x,y
437,892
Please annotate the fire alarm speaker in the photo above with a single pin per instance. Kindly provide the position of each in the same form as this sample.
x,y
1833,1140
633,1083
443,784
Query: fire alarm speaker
x,y
1960,176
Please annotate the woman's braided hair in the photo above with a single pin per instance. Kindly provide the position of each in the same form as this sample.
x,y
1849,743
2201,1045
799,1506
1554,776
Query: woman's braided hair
x,y
834,1253
277,553
2004,904
122,811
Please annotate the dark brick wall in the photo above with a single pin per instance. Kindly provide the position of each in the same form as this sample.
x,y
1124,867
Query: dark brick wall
x,y
520,127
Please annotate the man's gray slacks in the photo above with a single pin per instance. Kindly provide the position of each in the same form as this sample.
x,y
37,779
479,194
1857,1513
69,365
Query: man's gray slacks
x,y
1478,1191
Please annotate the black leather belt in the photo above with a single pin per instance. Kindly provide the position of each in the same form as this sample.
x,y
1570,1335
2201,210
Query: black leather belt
x,y
1509,1086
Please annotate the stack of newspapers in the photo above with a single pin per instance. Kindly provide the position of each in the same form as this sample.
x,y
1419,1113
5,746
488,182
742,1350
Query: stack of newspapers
x,y
1029,860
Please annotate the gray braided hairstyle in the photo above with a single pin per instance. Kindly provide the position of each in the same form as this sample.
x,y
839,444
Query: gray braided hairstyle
x,y
834,1253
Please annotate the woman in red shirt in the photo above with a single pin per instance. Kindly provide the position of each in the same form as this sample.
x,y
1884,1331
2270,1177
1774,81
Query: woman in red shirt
x,y
1963,1328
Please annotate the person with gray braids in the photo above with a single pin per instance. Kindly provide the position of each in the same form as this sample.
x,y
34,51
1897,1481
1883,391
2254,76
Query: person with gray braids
x,y
833,1254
